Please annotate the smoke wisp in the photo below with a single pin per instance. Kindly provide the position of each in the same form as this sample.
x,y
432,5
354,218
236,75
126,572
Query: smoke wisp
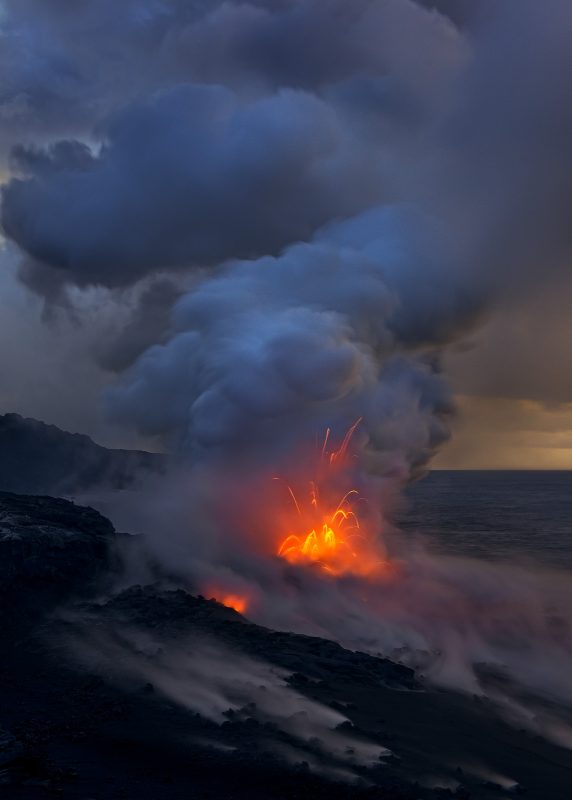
x,y
222,685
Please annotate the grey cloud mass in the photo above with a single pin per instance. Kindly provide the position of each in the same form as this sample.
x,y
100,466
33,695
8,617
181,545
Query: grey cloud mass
x,y
354,186
188,178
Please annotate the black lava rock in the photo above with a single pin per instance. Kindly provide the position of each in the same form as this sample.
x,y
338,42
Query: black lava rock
x,y
49,549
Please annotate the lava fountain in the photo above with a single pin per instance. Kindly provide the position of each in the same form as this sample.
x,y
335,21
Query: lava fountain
x,y
314,517
325,528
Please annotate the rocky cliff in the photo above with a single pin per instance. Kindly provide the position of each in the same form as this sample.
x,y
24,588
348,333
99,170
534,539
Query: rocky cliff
x,y
49,549
36,458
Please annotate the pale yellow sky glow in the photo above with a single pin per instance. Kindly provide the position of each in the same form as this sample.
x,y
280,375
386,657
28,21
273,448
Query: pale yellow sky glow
x,y
493,433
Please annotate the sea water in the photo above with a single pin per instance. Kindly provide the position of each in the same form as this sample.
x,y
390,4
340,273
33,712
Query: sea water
x,y
520,516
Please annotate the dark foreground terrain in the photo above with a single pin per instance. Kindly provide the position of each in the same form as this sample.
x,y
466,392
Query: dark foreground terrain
x,y
151,693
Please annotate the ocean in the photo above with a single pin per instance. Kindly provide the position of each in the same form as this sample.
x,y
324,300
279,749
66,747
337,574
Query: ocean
x,y
523,516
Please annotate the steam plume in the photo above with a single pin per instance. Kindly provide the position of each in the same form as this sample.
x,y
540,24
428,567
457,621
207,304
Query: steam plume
x,y
365,178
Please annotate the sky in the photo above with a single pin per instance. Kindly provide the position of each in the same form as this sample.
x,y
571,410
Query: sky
x,y
514,390
228,225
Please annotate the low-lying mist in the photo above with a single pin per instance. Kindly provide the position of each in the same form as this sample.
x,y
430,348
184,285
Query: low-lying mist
x,y
222,685
497,630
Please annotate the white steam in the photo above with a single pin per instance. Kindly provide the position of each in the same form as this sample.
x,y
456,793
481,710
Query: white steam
x,y
498,631
268,353
221,684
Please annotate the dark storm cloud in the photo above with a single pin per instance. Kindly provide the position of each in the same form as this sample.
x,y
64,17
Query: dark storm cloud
x,y
188,178
179,173
503,161
461,12
66,66
148,323
521,354
302,44
45,370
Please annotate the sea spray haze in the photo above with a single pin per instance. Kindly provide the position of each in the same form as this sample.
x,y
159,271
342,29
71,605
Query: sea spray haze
x,y
329,195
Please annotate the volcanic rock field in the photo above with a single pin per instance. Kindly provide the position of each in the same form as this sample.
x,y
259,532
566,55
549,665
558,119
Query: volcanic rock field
x,y
110,690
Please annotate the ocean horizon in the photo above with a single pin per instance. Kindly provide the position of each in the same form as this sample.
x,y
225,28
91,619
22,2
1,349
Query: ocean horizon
x,y
522,516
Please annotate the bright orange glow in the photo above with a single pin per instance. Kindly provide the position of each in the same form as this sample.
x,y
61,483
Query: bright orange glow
x,y
330,533
234,601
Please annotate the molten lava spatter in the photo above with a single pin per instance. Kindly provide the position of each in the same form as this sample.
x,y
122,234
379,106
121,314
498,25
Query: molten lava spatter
x,y
329,539
330,534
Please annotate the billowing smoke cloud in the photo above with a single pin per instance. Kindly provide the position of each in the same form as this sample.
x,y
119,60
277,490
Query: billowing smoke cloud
x,y
196,171
364,180
316,344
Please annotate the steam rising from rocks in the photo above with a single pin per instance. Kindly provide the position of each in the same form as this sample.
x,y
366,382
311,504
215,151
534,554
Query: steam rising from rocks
x,y
220,684
497,631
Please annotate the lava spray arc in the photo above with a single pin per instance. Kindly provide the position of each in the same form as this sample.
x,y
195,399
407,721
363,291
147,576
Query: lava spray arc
x,y
320,515
327,528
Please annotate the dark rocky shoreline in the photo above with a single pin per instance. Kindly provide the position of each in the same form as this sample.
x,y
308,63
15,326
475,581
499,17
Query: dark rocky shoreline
x,y
75,728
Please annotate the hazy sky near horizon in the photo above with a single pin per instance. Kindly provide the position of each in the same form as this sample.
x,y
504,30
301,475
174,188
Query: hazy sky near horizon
x,y
78,309
513,385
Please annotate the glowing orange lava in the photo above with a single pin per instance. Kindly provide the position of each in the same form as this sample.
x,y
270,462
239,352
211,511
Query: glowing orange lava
x,y
235,601
330,533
